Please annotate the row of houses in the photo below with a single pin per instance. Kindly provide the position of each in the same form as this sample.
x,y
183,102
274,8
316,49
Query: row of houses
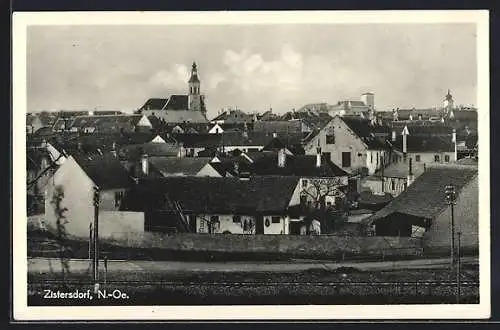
x,y
268,192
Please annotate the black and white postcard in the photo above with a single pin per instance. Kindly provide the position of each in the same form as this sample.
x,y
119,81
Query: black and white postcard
x,y
251,165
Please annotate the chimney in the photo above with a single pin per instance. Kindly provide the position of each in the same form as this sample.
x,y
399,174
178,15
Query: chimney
x,y
454,141
411,177
393,136
405,134
318,155
281,158
145,164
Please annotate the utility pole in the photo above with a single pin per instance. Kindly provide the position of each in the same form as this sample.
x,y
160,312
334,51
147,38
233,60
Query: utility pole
x,y
90,241
96,234
458,267
450,200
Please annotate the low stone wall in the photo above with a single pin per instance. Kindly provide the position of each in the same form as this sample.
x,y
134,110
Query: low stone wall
x,y
324,245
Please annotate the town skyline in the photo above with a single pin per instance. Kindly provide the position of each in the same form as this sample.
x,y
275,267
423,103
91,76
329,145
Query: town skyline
x,y
253,68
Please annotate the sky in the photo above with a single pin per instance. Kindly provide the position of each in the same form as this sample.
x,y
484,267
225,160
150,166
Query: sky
x,y
251,67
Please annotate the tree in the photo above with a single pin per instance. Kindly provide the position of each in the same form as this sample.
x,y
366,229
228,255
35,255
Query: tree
x,y
61,234
319,190
211,223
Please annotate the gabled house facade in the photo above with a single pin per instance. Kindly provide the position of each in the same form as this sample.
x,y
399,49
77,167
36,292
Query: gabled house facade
x,y
77,178
353,143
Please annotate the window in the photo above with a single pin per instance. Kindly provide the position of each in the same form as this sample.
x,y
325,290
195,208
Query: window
x,y
346,159
417,158
330,138
118,198
436,158
214,218
275,219
377,158
304,183
371,158
447,158
236,218
393,184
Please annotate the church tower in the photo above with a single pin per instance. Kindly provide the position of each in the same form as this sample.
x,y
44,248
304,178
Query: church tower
x,y
194,97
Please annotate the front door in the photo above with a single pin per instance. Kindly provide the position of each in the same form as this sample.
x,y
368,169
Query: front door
x,y
295,226
259,225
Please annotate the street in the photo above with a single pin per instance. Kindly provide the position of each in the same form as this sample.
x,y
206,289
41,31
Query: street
x,y
36,265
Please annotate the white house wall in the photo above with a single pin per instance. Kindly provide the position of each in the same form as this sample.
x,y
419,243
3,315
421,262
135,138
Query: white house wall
x,y
208,170
374,160
144,122
375,185
117,224
78,198
226,224
345,141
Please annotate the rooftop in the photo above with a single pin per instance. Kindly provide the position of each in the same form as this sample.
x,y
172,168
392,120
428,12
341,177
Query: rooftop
x,y
105,171
425,198
210,195
170,166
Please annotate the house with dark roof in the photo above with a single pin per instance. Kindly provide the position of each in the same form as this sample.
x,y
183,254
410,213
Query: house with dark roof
x,y
77,177
179,108
281,127
258,205
357,145
105,124
424,149
422,209
207,145
223,168
232,116
322,183
394,178
176,166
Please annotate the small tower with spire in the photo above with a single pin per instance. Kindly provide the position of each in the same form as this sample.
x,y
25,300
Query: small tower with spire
x,y
194,97
448,102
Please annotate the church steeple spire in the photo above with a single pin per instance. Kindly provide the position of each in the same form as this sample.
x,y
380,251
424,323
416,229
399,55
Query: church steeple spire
x,y
195,100
194,74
